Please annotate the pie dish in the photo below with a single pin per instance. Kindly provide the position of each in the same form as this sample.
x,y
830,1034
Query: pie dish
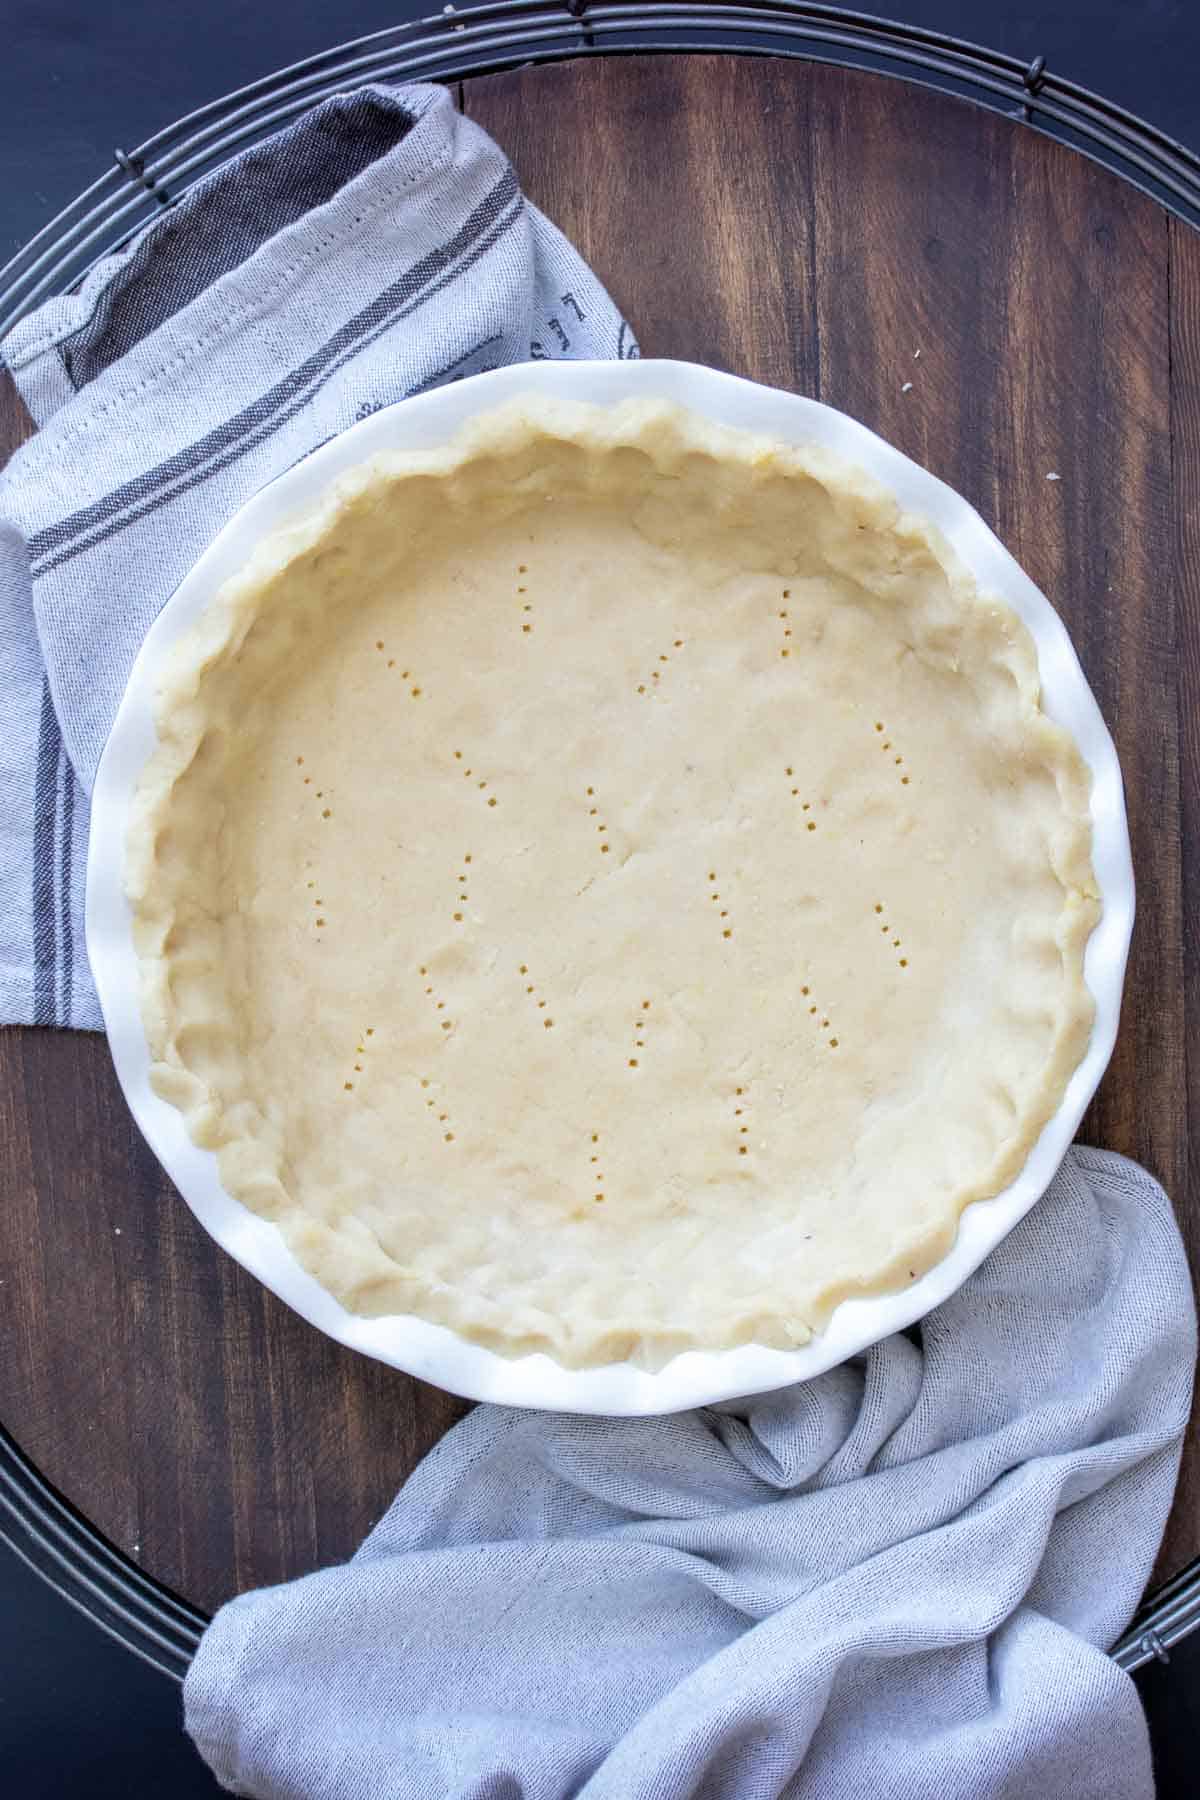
x,y
606,887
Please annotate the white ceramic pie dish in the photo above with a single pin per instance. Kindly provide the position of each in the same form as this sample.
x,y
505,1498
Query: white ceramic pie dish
x,y
433,1352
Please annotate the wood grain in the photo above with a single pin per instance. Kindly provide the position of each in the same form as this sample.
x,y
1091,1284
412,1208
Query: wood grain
x,y
15,422
1034,287
810,227
205,1428
1182,575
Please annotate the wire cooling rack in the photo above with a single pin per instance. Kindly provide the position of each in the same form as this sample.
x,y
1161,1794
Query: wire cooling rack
x,y
42,1527
475,40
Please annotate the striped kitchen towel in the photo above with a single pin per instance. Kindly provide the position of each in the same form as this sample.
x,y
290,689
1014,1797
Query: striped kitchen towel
x,y
378,247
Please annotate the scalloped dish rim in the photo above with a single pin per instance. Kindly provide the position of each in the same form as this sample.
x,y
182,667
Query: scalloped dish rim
x,y
433,1352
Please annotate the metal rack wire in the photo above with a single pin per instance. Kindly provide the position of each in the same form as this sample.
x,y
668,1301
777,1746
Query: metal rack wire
x,y
66,1549
36,1521
455,44
1169,1616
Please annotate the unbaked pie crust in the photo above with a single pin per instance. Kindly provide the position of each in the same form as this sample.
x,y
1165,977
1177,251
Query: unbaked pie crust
x,y
607,886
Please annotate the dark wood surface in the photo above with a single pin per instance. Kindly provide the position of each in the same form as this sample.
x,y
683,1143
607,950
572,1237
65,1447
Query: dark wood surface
x,y
810,227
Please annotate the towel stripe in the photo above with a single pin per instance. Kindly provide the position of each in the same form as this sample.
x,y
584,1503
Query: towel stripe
x,y
45,812
255,197
66,851
194,477
70,537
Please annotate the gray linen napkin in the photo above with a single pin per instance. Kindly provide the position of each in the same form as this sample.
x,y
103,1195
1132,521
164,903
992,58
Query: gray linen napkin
x,y
378,247
897,1580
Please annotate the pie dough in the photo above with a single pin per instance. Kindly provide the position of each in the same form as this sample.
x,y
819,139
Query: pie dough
x,y
607,886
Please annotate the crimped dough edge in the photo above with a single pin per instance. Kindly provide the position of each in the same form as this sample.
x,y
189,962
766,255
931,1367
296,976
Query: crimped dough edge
x,y
346,1257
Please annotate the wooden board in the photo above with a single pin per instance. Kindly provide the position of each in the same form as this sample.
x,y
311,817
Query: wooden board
x,y
811,227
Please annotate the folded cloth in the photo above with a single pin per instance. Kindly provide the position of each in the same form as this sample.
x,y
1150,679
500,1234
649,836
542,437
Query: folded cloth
x,y
896,1580
378,247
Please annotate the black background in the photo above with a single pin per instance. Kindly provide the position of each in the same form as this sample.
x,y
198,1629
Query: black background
x,y
78,79
79,1715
